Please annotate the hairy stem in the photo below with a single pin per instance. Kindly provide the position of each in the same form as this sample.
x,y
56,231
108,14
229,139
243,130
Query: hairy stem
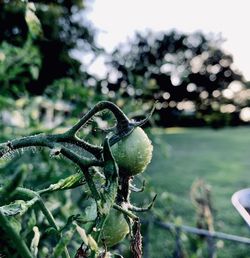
x,y
46,212
48,141
118,113
126,212
42,140
65,138
84,167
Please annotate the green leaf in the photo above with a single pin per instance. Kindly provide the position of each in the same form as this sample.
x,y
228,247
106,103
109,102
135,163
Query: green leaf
x,y
15,223
14,208
18,207
89,214
68,182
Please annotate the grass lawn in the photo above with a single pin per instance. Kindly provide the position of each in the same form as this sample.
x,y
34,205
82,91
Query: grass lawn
x,y
221,158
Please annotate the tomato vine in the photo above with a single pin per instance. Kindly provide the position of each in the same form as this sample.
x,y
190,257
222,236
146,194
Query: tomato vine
x,y
110,199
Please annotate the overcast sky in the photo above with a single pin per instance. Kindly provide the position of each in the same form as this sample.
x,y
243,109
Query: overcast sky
x,y
118,20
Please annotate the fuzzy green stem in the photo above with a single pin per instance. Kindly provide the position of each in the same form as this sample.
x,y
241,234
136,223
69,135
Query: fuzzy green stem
x,y
65,137
34,140
47,214
126,212
118,113
142,209
41,140
47,141
80,161
84,167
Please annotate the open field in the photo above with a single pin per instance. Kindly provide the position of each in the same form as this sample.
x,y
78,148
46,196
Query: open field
x,y
221,158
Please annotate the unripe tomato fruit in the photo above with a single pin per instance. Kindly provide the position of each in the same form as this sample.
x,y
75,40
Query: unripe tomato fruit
x,y
115,228
133,153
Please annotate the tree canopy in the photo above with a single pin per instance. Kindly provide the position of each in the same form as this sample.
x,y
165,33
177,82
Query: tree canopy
x,y
36,59
186,73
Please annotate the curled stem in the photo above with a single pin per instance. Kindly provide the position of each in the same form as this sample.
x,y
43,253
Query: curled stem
x,y
126,212
142,209
118,113
138,190
146,119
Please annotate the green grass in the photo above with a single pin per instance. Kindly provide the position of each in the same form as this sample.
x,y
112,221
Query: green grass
x,y
221,158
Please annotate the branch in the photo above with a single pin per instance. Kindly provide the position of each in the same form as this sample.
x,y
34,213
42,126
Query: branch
x,y
138,190
126,212
118,113
139,209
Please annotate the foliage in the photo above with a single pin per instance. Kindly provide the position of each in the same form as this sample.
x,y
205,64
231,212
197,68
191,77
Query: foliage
x,y
107,190
19,66
187,73
38,39
55,28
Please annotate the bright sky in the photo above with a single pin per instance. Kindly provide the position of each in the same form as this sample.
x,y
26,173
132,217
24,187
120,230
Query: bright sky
x,y
118,20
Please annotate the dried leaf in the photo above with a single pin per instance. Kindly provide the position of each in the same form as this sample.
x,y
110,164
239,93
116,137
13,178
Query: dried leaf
x,y
136,243
35,241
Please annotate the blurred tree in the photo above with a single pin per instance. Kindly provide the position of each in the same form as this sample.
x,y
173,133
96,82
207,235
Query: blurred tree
x,y
63,28
187,73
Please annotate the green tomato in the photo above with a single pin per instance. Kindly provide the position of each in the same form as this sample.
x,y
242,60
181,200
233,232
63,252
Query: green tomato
x,y
115,228
133,153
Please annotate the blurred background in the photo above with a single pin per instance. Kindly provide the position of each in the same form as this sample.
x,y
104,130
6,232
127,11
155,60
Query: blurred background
x,y
58,58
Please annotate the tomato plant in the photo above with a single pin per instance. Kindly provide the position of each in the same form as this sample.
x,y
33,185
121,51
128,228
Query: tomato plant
x,y
107,170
